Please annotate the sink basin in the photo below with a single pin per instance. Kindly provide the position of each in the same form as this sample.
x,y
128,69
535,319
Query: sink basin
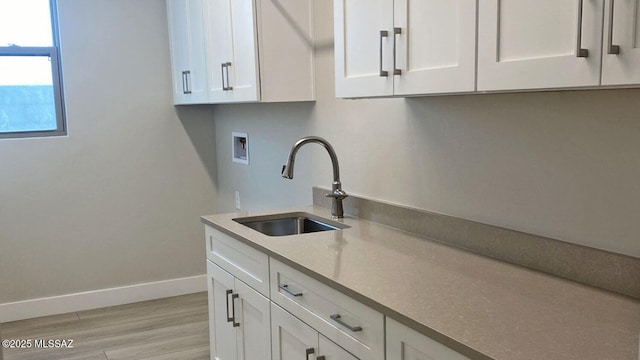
x,y
289,224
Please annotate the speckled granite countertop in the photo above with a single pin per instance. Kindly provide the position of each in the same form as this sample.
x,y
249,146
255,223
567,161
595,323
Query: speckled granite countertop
x,y
480,307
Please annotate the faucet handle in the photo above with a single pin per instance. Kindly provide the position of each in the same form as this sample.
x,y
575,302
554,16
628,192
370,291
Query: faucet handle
x,y
338,194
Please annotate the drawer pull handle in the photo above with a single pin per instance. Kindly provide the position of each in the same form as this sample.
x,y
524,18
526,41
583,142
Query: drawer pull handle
x,y
309,351
285,288
337,318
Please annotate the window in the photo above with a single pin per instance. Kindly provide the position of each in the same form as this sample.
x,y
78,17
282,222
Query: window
x,y
31,101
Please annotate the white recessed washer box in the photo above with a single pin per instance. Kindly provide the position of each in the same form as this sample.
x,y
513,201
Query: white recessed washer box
x,y
240,148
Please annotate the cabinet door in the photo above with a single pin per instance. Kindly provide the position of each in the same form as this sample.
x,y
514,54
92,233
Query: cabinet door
x,y
621,66
291,339
331,351
404,343
188,65
253,313
436,46
527,44
362,52
222,334
232,44
218,46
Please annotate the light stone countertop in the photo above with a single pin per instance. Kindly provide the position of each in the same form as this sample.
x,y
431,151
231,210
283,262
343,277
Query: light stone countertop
x,y
480,307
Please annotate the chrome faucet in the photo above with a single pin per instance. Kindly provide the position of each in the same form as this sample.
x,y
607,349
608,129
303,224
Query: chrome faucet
x,y
337,193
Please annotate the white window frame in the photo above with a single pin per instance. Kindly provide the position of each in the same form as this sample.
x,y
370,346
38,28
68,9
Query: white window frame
x,y
53,53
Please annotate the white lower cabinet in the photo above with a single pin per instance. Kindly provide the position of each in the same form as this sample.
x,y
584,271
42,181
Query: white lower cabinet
x,y
263,309
239,318
404,343
294,340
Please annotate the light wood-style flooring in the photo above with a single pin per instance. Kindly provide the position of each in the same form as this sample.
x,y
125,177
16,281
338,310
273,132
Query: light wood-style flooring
x,y
174,328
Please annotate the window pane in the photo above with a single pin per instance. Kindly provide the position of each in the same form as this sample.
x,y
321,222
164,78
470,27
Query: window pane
x,y
25,23
27,100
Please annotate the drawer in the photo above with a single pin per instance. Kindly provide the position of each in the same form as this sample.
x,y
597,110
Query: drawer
x,y
239,259
345,321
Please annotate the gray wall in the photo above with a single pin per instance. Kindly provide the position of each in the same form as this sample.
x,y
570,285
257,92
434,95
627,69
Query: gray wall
x,y
118,201
559,164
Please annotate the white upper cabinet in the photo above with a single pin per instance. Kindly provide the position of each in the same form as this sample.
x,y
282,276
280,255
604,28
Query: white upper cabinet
x,y
539,44
404,47
242,50
621,43
260,50
232,46
188,65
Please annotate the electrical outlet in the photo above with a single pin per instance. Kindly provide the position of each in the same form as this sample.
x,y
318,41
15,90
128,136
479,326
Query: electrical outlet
x,y
238,200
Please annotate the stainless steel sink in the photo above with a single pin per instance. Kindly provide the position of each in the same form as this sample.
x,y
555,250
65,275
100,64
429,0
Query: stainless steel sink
x,y
289,224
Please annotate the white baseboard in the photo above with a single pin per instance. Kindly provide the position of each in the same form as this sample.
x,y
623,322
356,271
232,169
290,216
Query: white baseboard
x,y
54,305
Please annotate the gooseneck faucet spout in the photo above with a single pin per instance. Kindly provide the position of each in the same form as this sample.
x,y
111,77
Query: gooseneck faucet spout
x,y
337,194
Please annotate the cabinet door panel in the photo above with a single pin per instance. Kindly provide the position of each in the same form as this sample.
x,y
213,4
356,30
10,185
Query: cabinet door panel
x,y
331,351
436,50
243,70
232,51
290,336
359,47
534,44
189,68
221,332
254,332
624,31
218,45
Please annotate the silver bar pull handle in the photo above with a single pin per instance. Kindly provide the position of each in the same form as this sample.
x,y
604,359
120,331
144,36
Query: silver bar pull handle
x,y
185,82
229,319
227,66
222,66
383,34
612,49
396,31
233,310
580,52
337,318
285,288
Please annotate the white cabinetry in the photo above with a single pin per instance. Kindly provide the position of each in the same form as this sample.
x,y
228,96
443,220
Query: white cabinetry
x,y
260,50
261,308
239,318
239,314
295,340
621,43
187,40
539,44
404,47
245,50
404,343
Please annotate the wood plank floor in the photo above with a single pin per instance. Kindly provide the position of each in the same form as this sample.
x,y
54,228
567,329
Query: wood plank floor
x,y
174,328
